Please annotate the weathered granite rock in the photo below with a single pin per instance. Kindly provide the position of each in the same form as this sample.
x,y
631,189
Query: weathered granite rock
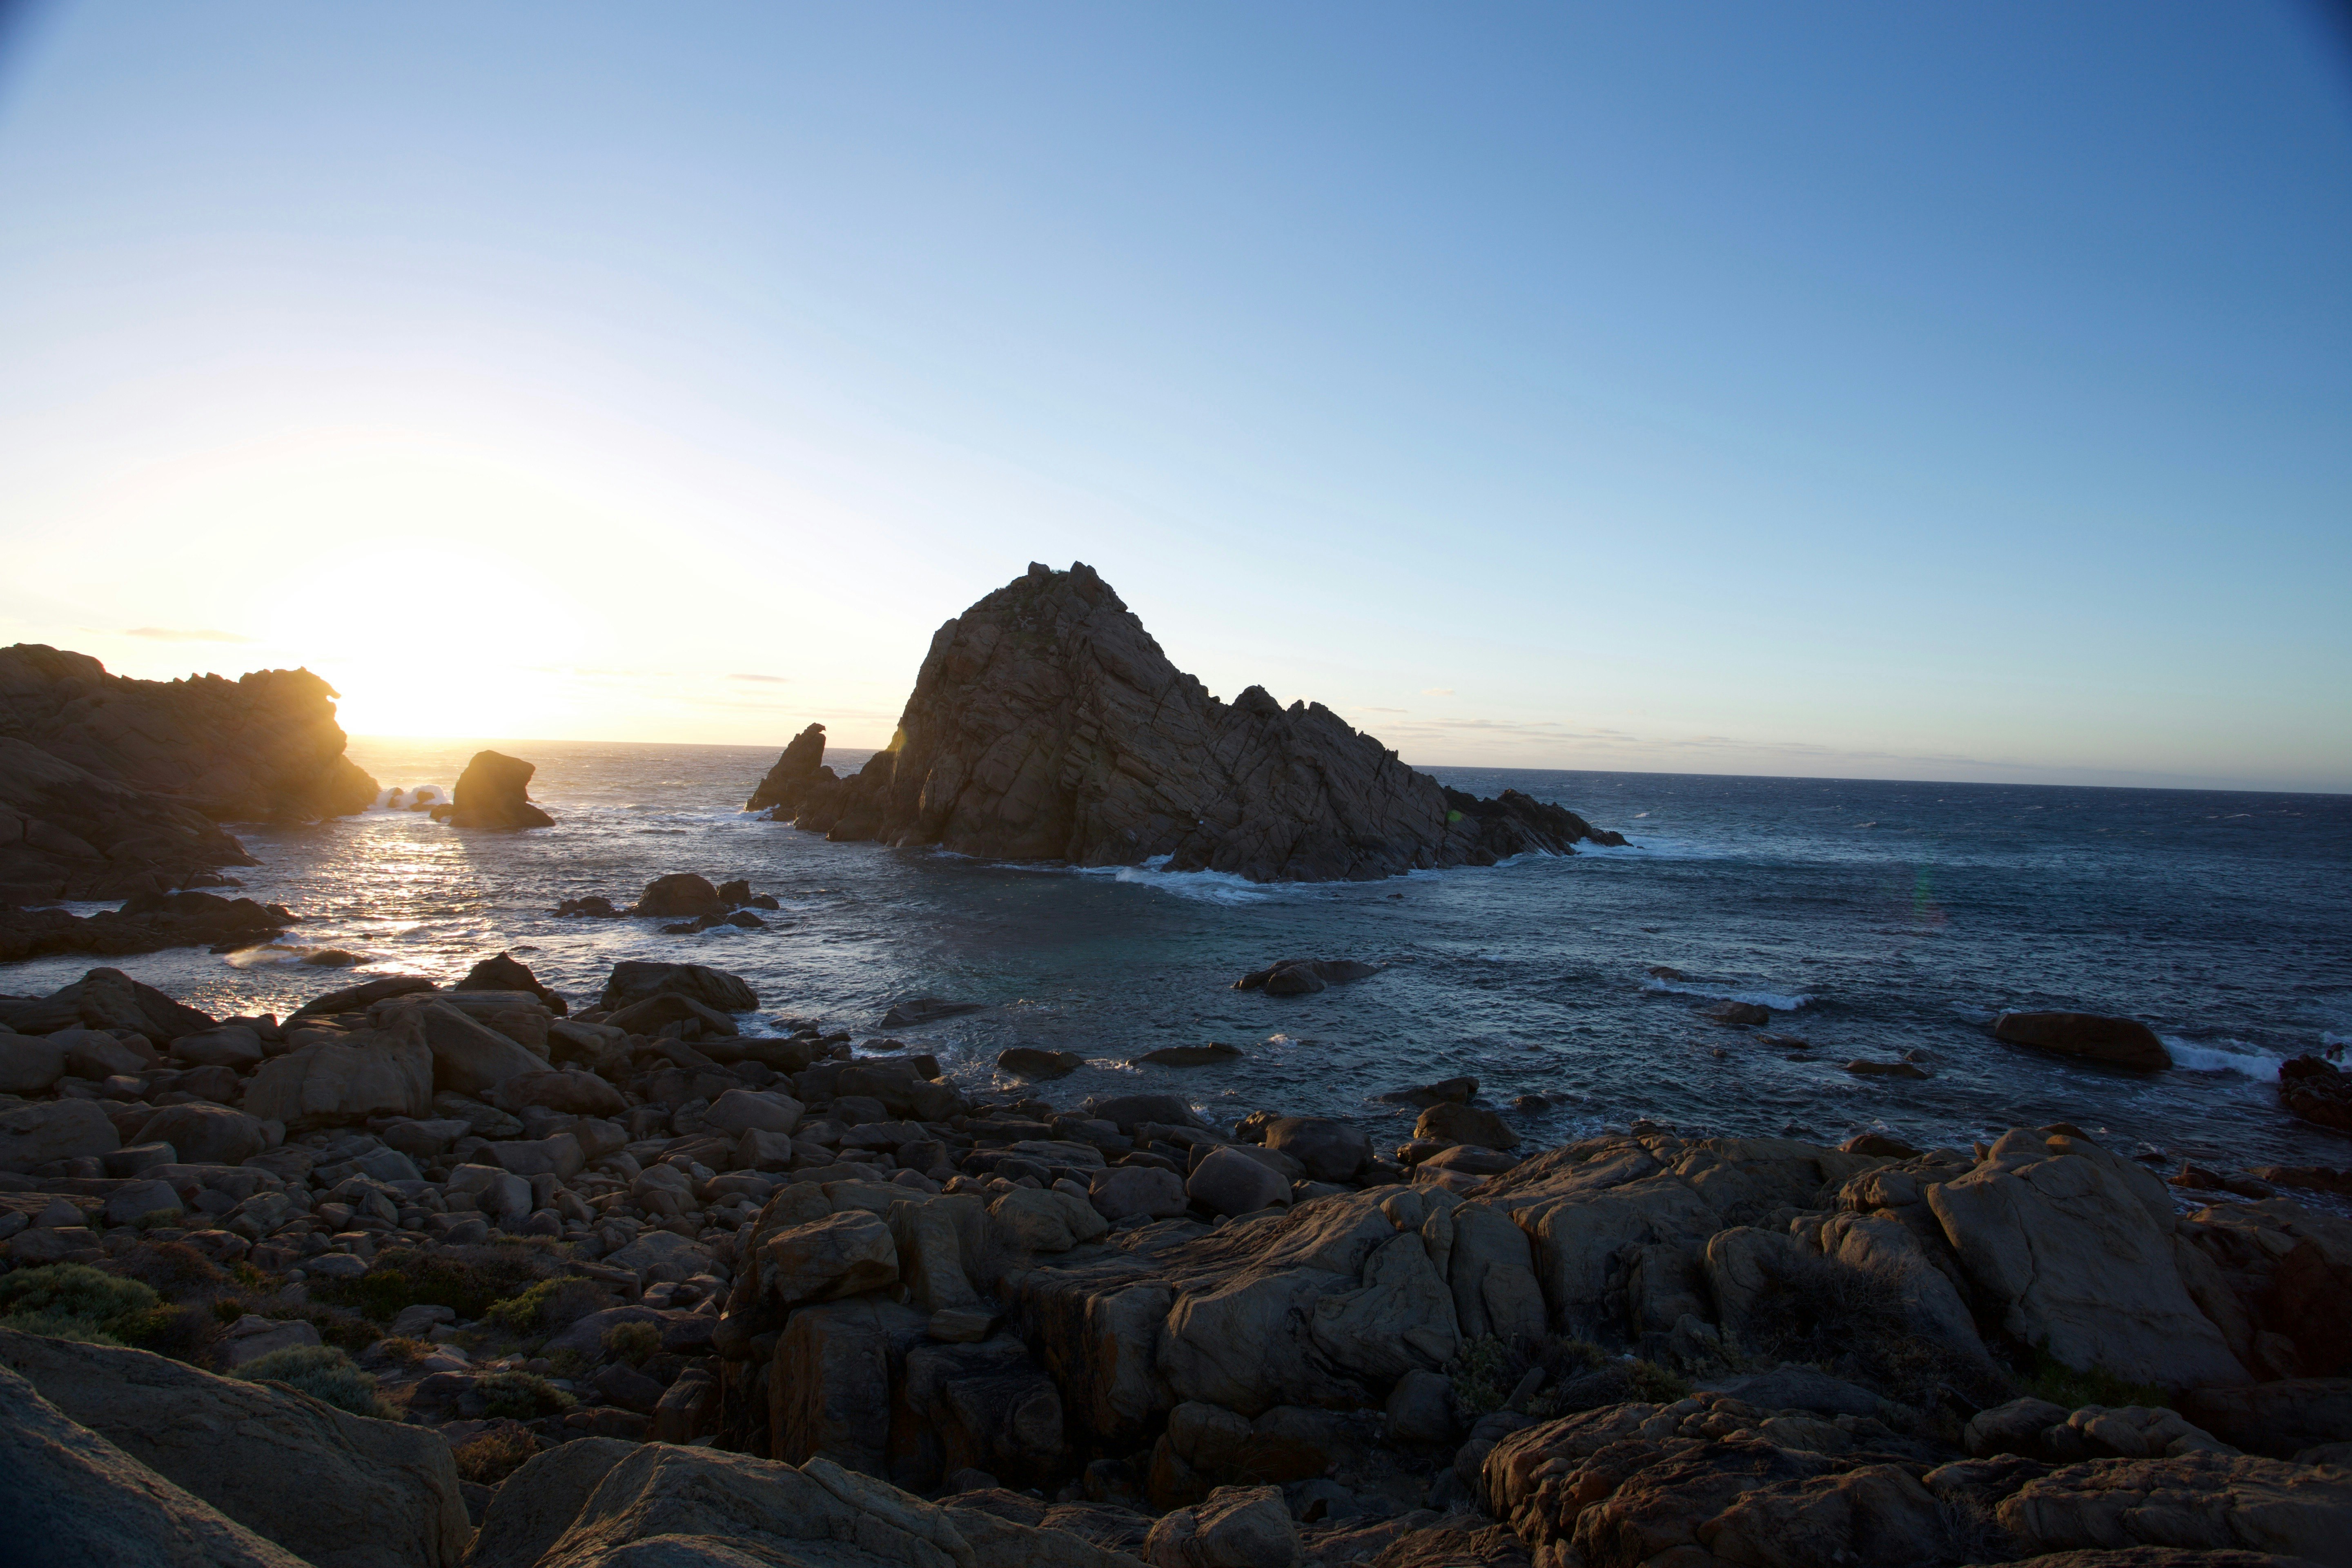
x,y
504,972
329,1083
36,1134
2202,1502
340,1490
1234,1527
2074,1248
2318,1091
538,1503
206,1135
104,999
76,1500
493,791
1045,723
636,979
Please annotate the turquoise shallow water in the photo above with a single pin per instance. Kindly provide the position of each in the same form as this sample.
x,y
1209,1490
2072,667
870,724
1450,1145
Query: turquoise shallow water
x,y
1874,918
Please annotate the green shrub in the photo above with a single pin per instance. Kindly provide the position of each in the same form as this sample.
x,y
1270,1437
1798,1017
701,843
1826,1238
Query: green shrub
x,y
520,1395
548,1307
322,1371
494,1456
174,1270
1654,1384
2074,1387
468,1285
1485,1372
636,1344
74,1301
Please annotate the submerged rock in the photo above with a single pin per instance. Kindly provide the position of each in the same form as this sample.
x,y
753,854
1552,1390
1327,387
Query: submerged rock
x,y
1047,724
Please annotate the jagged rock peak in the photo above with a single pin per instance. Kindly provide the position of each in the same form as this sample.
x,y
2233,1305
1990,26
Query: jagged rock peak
x,y
1047,724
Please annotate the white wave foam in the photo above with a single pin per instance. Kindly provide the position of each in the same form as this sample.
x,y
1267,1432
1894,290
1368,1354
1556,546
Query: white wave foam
x,y
2335,1041
1978,1015
1779,1001
2224,1056
421,798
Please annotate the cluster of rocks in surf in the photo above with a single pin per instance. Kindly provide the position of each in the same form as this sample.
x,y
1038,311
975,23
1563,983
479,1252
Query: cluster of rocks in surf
x,y
637,1284
1047,724
695,902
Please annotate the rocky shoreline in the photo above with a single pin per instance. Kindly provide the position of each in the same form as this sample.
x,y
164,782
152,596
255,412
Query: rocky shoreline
x,y
486,1275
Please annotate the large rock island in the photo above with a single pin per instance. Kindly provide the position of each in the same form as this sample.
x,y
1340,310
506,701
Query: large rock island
x,y
1047,724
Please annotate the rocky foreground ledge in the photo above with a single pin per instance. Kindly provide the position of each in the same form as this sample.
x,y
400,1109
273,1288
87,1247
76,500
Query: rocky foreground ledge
x,y
425,1277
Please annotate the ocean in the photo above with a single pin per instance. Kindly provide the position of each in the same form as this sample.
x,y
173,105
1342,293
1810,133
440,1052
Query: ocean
x,y
1877,921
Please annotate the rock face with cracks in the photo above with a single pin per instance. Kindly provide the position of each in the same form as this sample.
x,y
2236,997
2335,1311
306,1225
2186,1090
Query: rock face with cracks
x,y
1047,724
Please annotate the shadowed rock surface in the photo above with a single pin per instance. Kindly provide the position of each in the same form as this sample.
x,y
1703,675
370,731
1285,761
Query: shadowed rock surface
x,y
1047,724
110,786
493,791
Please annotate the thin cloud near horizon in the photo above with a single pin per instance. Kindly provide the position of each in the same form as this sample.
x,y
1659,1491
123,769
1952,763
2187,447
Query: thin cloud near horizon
x,y
165,634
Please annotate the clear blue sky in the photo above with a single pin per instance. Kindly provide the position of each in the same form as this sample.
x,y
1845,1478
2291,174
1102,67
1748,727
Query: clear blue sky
x,y
1951,391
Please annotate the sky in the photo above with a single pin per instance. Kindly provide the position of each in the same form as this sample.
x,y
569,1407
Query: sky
x,y
1943,391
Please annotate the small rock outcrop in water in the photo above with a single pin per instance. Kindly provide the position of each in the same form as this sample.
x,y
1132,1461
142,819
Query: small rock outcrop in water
x,y
1047,724
493,791
801,763
110,787
145,923
2119,1042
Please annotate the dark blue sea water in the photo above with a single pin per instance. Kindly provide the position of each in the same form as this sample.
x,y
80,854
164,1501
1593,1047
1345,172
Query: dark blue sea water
x,y
1875,919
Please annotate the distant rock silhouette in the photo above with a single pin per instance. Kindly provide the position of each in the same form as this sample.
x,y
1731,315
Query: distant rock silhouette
x,y
493,791
1047,724
112,787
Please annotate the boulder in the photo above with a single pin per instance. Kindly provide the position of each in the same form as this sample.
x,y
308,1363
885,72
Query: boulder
x,y
367,1073
231,1046
1330,1151
76,1500
336,1489
2318,1091
2065,1241
1740,1014
1135,1192
1423,1408
634,979
918,1011
361,997
29,1064
2200,1501
650,1016
206,1135
135,1200
1028,1061
845,1254
468,1056
104,999
679,893
2119,1042
1230,1183
1234,1527
1445,1092
493,791
1045,724
1128,1111
1447,1122
1029,1220
38,1133
538,1503
829,1390
759,1151
570,1090
97,1054
503,972
560,1156
740,1111
985,1407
